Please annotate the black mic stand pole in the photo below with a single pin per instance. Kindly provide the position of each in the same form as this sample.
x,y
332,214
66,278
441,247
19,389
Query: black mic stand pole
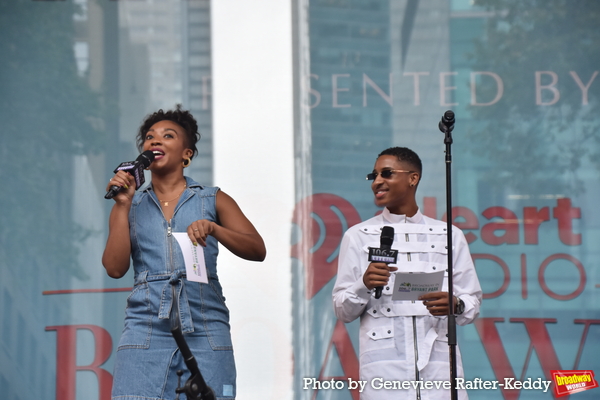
x,y
446,125
195,388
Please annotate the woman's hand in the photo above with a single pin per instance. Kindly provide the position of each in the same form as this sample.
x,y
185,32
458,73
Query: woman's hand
x,y
199,230
127,184
233,230
118,244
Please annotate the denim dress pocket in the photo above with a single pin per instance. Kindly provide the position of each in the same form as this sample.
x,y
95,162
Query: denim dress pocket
x,y
213,313
138,319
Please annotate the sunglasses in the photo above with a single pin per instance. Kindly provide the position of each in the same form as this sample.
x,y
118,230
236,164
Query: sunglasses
x,y
385,174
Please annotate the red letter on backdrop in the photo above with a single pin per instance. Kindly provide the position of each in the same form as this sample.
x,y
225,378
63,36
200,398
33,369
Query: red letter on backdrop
x,y
587,323
343,345
539,341
564,213
430,207
66,355
532,218
470,221
336,215
510,225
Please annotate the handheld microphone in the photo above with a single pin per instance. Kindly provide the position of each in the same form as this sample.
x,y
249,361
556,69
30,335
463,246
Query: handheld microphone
x,y
384,253
447,123
135,168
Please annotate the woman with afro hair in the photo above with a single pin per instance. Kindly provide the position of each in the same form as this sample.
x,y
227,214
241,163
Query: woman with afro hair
x,y
141,227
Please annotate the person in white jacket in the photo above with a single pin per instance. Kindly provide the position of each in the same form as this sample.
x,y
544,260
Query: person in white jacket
x,y
403,340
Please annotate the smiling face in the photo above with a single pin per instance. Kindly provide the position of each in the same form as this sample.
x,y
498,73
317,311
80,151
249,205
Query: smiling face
x,y
397,192
167,140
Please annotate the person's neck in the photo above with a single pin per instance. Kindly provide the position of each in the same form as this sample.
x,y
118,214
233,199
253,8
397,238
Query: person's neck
x,y
168,183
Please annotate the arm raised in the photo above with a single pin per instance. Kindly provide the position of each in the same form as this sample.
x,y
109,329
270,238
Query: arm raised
x,y
118,244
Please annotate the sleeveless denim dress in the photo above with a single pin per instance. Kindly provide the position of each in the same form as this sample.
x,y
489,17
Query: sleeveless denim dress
x,y
147,356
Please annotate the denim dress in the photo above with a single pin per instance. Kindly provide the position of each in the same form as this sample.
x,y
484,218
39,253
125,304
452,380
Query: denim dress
x,y
147,356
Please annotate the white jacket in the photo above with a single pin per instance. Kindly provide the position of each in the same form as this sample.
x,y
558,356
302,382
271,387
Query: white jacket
x,y
401,340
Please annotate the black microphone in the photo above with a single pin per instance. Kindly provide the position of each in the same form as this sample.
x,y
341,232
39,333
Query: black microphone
x,y
135,168
384,253
385,244
447,123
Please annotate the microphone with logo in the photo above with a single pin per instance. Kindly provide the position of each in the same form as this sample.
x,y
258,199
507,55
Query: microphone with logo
x,y
385,253
135,168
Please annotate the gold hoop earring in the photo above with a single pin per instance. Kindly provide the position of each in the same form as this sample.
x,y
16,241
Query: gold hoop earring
x,y
186,162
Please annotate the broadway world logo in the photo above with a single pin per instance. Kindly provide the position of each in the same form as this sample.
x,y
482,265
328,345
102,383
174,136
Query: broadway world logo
x,y
572,381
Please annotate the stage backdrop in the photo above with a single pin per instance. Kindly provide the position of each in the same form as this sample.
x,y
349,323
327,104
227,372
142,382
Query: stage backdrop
x,y
522,78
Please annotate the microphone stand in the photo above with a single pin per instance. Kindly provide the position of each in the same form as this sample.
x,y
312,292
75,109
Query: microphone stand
x,y
446,125
195,387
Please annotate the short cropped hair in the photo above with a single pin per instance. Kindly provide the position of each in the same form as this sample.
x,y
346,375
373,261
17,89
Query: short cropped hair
x,y
181,117
406,155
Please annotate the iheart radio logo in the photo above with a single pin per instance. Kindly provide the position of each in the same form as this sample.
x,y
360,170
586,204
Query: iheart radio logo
x,y
572,381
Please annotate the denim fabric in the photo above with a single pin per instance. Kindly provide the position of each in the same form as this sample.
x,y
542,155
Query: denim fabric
x,y
147,357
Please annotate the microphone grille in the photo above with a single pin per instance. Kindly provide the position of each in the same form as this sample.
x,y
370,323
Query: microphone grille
x,y
146,158
387,235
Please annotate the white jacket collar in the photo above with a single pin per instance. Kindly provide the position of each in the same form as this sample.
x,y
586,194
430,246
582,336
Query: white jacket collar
x,y
400,218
